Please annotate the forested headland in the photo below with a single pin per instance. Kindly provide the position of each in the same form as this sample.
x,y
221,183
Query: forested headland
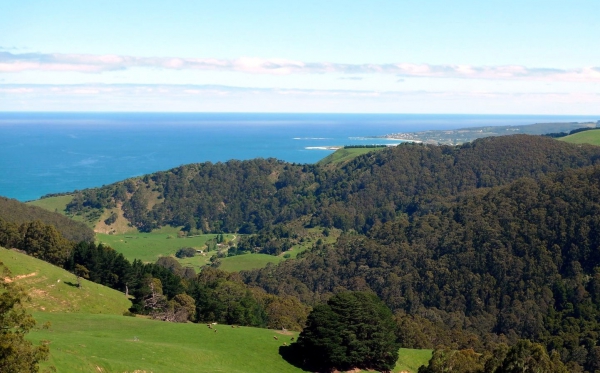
x,y
247,196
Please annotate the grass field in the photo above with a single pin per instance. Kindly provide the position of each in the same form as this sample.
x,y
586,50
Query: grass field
x,y
585,137
148,247
346,154
53,289
410,360
59,204
54,204
110,343
248,261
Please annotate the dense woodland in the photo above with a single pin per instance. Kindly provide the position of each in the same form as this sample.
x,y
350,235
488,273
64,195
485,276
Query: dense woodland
x,y
519,261
247,196
477,246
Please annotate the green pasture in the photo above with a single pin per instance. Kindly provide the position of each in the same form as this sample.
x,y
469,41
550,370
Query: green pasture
x,y
53,289
346,154
54,204
148,247
111,343
248,261
410,360
59,204
586,137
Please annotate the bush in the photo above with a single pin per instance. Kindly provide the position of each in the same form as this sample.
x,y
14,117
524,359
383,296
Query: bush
x,y
185,252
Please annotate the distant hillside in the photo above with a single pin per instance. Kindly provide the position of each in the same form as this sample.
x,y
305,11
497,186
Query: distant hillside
x,y
52,289
14,211
587,137
246,196
346,154
464,135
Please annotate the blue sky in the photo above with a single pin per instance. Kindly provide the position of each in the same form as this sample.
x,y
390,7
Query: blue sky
x,y
506,57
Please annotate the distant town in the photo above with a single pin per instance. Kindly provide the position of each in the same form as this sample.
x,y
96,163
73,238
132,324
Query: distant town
x,y
462,135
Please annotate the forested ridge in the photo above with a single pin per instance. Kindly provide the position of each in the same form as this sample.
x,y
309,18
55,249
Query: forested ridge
x,y
519,261
13,211
247,196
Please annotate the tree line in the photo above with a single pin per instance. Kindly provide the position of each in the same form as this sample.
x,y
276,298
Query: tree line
x,y
248,196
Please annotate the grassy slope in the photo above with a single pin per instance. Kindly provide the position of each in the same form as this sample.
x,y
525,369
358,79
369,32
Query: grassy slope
x,y
49,294
54,204
82,343
344,155
59,204
586,137
248,261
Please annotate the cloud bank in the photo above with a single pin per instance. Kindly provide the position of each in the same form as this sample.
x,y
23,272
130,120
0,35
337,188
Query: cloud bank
x,y
221,98
88,63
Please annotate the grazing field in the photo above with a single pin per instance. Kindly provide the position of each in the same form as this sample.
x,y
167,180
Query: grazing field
x,y
59,204
410,360
53,289
110,343
585,137
54,204
248,261
346,154
148,247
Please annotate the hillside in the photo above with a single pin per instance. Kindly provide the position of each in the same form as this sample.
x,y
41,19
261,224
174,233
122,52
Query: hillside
x,y
375,187
346,154
14,211
464,135
519,261
587,137
53,289
88,332
110,343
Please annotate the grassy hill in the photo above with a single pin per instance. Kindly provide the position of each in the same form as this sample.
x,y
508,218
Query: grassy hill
x,y
56,203
53,289
110,343
248,261
345,154
586,137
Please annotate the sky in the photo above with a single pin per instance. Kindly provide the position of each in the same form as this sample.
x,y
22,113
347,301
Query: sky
x,y
367,56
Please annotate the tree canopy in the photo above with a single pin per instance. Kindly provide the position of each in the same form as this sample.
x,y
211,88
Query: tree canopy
x,y
353,330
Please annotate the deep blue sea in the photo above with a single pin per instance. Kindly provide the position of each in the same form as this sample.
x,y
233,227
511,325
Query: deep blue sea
x,y
43,153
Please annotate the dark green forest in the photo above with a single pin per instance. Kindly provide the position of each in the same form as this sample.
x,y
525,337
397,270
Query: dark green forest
x,y
247,196
518,261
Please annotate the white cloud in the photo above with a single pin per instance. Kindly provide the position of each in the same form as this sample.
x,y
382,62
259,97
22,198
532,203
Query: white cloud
x,y
87,63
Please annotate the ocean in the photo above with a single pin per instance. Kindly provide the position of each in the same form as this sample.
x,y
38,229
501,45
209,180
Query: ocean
x,y
42,153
